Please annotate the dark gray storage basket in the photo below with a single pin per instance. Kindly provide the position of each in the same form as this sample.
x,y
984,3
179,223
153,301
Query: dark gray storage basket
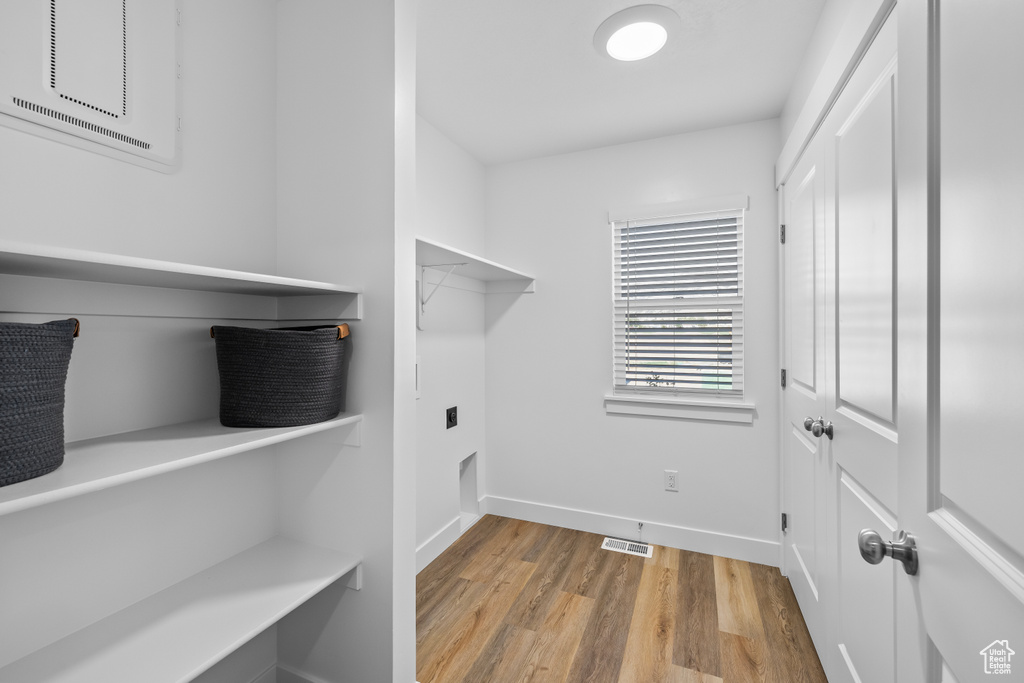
x,y
282,377
33,370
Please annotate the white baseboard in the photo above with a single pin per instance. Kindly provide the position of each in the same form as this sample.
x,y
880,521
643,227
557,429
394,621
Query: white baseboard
x,y
698,540
439,542
268,676
288,674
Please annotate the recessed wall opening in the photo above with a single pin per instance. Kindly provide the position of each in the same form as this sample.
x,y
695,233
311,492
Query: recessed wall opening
x,y
469,501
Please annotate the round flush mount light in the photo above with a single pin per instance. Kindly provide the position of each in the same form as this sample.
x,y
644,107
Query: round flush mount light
x,y
636,32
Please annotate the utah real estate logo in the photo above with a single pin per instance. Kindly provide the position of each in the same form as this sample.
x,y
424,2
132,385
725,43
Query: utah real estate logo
x,y
997,657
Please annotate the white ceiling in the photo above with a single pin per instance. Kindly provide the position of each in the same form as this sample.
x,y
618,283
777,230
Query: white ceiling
x,y
521,79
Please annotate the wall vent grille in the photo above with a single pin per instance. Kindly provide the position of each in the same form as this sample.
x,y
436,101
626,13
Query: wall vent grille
x,y
629,547
120,137
124,63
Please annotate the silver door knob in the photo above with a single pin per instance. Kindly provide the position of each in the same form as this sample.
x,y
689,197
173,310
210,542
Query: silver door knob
x,y
902,548
819,427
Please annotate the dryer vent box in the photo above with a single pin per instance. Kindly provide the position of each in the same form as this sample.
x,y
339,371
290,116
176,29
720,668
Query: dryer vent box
x,y
98,74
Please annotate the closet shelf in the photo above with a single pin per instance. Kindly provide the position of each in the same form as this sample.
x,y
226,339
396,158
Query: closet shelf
x,y
90,266
498,278
180,632
101,463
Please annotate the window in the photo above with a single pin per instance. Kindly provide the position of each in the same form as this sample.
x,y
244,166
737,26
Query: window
x,y
678,315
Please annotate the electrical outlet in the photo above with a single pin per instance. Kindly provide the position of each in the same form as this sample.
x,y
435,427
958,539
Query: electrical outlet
x,y
671,480
451,417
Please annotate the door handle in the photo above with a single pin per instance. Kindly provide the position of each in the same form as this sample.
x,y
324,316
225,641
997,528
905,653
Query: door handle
x,y
902,548
819,427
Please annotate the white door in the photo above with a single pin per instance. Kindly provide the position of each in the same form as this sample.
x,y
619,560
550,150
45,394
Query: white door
x,y
961,350
859,144
803,460
844,480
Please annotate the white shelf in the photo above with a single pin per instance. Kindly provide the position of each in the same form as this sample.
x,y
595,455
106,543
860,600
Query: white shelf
x,y
431,253
178,633
97,464
73,264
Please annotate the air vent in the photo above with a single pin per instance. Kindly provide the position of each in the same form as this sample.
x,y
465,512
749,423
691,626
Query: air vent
x,y
629,547
91,40
99,75
38,109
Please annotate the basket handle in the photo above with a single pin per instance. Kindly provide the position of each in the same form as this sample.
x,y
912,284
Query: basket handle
x,y
78,326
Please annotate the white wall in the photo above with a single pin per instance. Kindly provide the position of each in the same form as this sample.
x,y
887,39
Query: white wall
x,y
833,15
844,32
450,210
450,191
554,455
344,161
218,209
277,172
95,554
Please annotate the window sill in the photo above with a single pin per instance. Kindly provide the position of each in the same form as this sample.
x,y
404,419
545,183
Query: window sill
x,y
680,408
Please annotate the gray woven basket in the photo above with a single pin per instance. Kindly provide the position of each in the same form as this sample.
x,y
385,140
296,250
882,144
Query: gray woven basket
x,y
33,369
283,377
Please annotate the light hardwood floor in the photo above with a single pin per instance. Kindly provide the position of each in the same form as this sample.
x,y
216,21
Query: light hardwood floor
x,y
518,602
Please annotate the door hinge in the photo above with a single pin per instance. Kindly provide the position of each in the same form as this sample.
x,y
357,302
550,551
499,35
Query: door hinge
x,y
785,522
783,376
782,233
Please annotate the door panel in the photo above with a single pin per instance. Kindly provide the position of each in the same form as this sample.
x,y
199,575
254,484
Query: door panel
x,y
960,466
865,380
861,341
802,275
865,593
805,472
805,510
848,607
862,332
982,285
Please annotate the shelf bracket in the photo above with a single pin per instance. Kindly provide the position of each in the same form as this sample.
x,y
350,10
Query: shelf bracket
x,y
423,280
355,578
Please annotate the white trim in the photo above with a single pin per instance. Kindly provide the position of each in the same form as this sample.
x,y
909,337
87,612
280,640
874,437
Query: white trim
x,y
269,675
468,519
780,394
849,663
294,675
643,212
681,408
698,540
429,550
981,552
864,22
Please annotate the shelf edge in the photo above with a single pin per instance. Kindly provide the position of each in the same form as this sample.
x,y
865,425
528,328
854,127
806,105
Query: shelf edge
x,y
459,253
47,497
98,261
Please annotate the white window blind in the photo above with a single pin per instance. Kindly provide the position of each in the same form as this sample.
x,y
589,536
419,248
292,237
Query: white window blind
x,y
679,304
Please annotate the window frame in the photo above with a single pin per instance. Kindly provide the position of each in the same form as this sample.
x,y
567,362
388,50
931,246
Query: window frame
x,y
676,401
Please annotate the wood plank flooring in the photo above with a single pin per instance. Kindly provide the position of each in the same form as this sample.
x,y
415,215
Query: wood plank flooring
x,y
518,602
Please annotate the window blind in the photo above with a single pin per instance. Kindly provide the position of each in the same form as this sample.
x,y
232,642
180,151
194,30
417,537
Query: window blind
x,y
678,314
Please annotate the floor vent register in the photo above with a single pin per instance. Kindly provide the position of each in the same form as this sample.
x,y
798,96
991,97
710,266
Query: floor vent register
x,y
628,547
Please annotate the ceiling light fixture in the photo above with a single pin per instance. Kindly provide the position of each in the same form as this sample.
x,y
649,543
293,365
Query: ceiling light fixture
x,y
636,32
